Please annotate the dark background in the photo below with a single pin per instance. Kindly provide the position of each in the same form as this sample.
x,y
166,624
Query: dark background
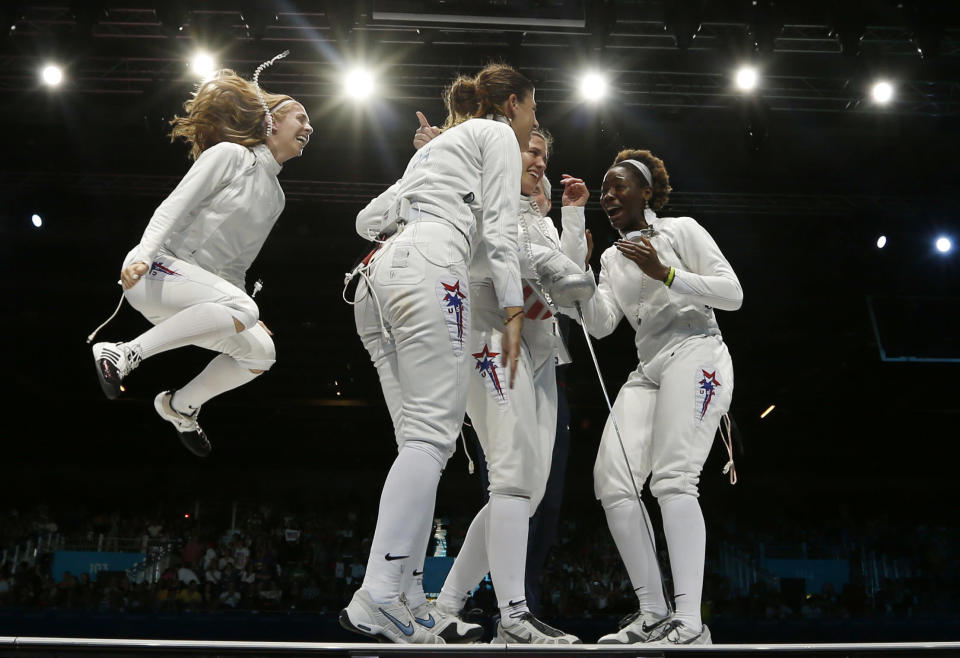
x,y
795,183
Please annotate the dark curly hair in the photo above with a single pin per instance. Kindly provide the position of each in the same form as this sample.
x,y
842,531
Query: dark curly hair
x,y
661,179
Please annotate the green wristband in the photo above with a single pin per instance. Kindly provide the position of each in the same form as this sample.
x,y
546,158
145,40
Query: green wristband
x,y
669,278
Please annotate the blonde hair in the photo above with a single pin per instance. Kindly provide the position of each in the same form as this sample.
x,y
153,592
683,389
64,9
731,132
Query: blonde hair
x,y
484,93
225,108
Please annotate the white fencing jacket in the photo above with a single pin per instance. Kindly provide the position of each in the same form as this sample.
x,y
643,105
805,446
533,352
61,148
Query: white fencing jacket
x,y
220,214
664,317
469,177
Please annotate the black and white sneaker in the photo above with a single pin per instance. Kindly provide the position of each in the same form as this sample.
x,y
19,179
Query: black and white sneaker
x,y
527,629
191,436
114,362
636,628
448,625
676,632
385,622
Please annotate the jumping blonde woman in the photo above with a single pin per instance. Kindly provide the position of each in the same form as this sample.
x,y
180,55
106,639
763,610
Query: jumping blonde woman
x,y
187,274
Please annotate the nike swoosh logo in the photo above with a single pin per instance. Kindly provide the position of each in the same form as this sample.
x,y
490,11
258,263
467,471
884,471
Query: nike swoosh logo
x,y
390,558
647,629
517,602
417,573
426,623
406,629
515,637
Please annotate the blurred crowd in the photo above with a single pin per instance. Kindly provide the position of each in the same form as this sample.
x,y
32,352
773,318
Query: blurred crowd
x,y
312,561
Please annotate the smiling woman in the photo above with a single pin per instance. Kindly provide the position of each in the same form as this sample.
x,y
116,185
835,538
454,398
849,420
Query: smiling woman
x,y
665,276
196,249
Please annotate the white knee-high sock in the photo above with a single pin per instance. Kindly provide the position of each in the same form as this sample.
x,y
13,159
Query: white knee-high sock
x,y
507,531
221,375
411,583
687,544
406,506
206,320
633,537
470,566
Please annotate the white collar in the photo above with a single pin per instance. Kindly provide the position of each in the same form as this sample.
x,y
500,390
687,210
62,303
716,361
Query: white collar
x,y
265,156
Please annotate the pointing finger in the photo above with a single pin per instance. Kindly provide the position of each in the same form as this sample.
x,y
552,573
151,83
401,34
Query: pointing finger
x,y
422,119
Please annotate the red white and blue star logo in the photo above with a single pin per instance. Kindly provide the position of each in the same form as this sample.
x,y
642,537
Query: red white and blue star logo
x,y
487,366
454,300
159,267
708,387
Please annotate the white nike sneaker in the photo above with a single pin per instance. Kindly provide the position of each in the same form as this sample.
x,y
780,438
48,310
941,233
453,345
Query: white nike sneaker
x,y
191,436
385,622
114,362
635,628
448,625
676,632
527,629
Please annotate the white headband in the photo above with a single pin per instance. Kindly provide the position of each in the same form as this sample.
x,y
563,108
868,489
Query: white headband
x,y
281,104
642,168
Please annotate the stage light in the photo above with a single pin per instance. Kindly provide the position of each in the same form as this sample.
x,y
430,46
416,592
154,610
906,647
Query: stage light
x,y
203,65
358,84
593,87
881,242
52,75
943,244
767,412
37,220
747,78
882,92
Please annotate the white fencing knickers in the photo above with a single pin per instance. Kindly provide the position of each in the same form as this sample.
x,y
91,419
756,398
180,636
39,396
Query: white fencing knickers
x,y
516,427
668,411
172,285
421,293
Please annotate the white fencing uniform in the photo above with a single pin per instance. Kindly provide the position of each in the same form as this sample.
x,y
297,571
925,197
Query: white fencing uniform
x,y
421,275
670,407
201,240
413,314
517,427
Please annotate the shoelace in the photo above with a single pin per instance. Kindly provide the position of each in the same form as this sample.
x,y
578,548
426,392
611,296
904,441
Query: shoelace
x,y
133,356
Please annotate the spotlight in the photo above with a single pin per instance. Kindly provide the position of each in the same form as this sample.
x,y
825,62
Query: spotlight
x,y
37,220
881,242
882,92
202,65
747,78
358,84
593,87
52,75
943,244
